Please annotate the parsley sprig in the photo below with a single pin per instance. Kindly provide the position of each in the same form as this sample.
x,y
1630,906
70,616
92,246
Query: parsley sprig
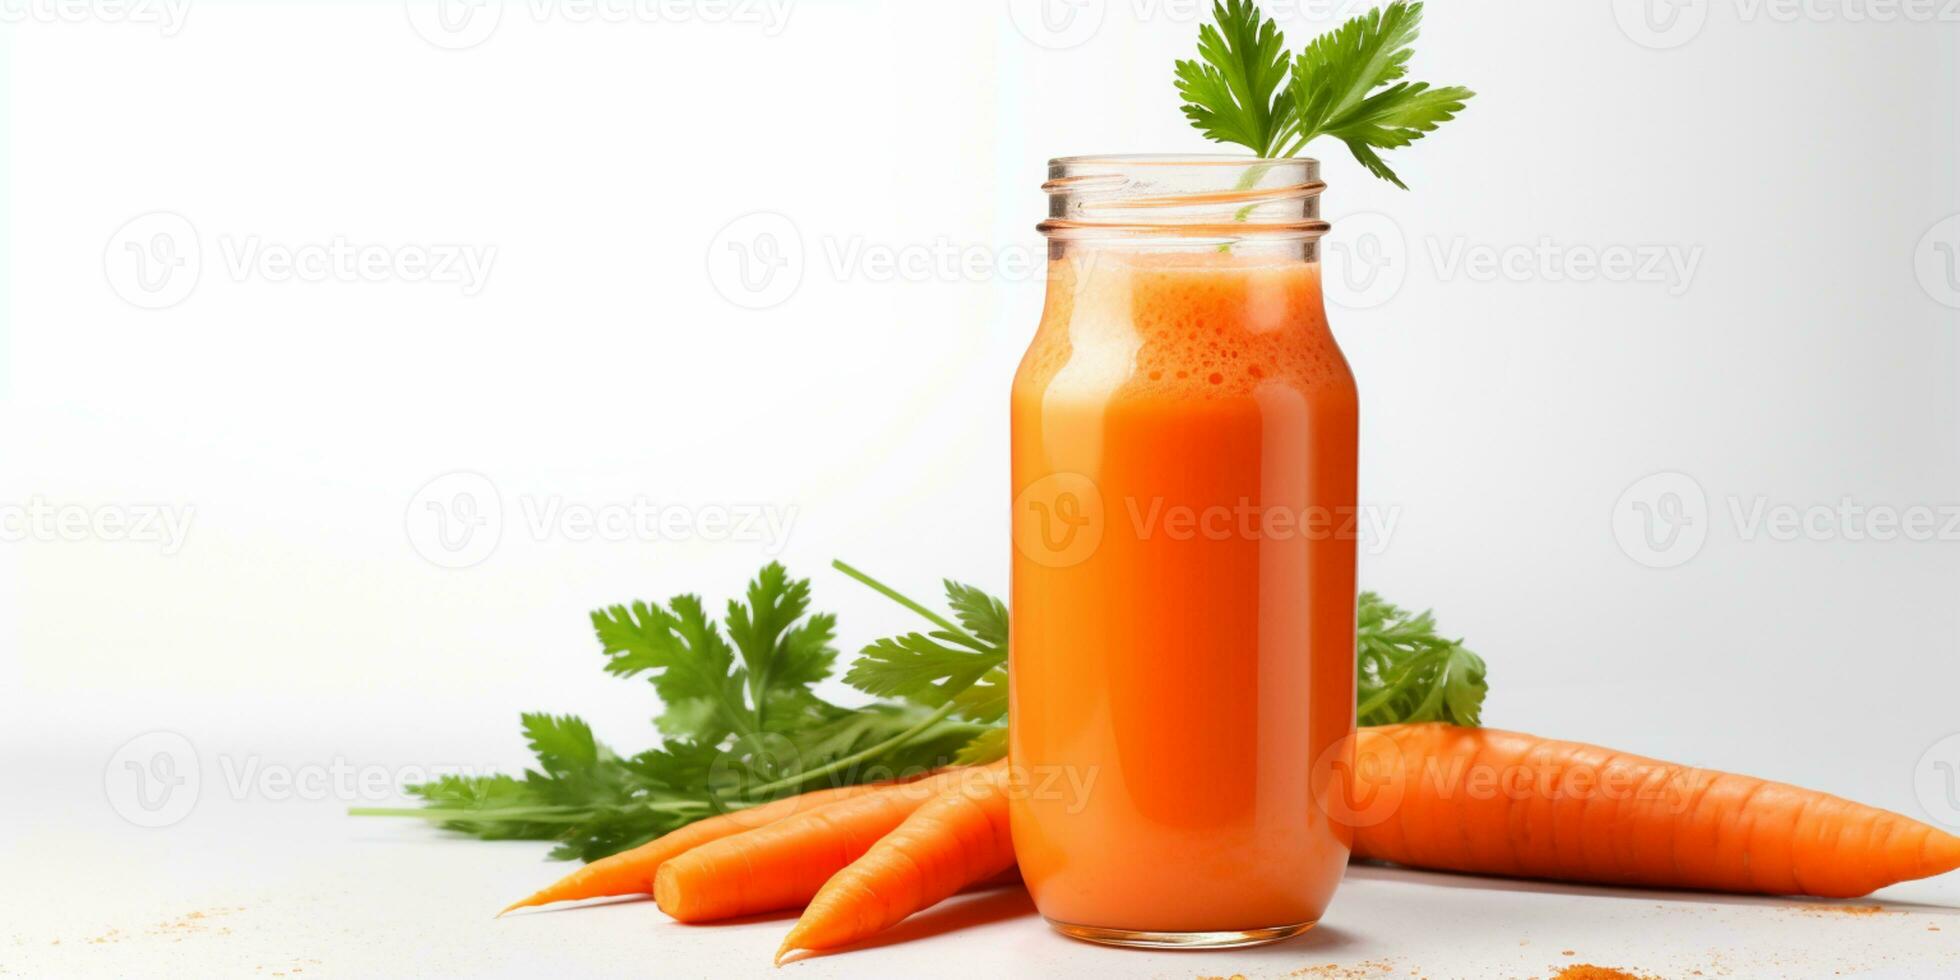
x,y
1407,672
1245,87
741,723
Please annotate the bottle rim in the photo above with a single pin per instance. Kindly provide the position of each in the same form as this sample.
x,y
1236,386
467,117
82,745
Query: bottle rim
x,y
1213,196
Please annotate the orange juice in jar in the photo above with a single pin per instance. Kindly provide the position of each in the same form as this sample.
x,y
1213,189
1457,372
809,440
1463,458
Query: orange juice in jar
x,y
1182,651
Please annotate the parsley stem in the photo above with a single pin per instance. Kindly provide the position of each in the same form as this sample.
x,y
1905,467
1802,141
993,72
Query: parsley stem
x,y
892,594
856,757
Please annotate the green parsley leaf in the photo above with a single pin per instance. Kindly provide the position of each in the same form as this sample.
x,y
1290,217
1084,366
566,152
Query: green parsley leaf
x,y
961,669
1335,86
990,745
694,667
1233,92
1407,672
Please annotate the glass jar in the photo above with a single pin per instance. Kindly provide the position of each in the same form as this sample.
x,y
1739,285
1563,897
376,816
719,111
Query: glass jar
x,y
1184,436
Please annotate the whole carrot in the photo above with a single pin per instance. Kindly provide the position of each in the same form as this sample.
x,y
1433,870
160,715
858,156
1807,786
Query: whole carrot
x,y
631,872
949,843
781,865
1495,802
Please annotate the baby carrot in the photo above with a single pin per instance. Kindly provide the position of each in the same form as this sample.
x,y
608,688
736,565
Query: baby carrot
x,y
1495,802
631,872
949,843
781,865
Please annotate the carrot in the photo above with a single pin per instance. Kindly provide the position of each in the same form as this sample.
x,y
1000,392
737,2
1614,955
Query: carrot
x,y
781,865
1501,803
631,872
954,841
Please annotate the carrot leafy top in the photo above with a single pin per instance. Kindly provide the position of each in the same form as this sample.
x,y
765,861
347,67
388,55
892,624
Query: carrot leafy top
x,y
741,723
1407,672
1245,88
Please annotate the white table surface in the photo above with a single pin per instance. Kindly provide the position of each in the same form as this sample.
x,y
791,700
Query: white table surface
x,y
263,889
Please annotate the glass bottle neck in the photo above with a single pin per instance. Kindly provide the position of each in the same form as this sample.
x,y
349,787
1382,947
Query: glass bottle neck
x,y
1192,204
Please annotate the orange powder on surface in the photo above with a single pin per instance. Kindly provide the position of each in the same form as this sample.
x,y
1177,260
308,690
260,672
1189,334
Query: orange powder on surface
x,y
1841,909
1587,971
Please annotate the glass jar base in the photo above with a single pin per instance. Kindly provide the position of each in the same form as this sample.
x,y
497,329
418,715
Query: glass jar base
x,y
1151,939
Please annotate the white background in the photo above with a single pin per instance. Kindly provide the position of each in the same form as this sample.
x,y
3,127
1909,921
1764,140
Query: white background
x,y
1804,159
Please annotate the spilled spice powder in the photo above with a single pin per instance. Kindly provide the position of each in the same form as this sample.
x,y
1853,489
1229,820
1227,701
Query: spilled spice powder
x,y
1587,971
1841,909
1359,971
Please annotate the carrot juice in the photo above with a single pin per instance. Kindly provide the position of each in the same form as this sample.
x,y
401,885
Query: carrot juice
x,y
1184,440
